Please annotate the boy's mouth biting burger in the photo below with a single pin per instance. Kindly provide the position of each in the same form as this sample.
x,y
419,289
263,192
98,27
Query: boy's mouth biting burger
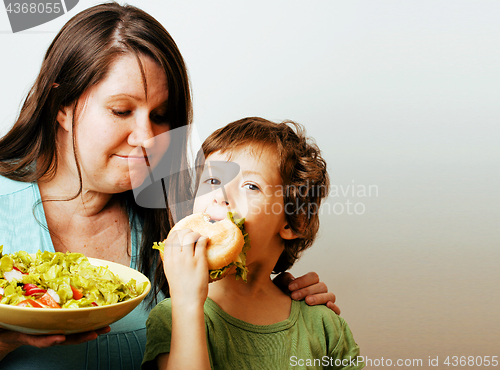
x,y
227,245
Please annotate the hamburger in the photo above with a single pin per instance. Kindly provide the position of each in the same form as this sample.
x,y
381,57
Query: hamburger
x,y
227,244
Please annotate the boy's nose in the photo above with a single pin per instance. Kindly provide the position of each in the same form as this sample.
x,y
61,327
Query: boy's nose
x,y
222,202
219,207
220,196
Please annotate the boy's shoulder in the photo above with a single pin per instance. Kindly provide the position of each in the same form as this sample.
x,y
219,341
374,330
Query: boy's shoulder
x,y
159,322
318,311
161,314
320,317
335,331
164,305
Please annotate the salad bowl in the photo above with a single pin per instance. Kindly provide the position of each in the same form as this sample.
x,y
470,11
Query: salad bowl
x,y
74,320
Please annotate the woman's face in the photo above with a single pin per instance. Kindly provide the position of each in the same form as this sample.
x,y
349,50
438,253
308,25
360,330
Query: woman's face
x,y
114,121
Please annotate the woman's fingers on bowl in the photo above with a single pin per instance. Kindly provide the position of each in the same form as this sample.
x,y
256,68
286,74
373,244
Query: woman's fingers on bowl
x,y
104,330
42,341
14,339
85,337
80,338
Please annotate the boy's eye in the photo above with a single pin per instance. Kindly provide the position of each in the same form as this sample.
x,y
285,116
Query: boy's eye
x,y
212,181
252,187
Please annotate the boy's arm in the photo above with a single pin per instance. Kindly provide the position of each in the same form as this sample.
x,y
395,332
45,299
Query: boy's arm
x,y
188,349
162,360
186,268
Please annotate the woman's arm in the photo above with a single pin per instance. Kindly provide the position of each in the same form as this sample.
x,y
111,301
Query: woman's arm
x,y
309,287
11,340
186,267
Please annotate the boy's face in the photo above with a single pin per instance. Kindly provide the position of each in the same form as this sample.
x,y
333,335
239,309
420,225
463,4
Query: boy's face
x,y
256,193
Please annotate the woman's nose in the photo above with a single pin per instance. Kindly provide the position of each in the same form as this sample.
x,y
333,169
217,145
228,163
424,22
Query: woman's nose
x,y
142,133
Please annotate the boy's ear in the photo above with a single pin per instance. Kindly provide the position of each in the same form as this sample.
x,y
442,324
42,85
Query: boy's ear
x,y
287,233
65,118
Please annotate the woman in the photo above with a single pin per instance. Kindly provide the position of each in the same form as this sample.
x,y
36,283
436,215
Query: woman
x,y
111,87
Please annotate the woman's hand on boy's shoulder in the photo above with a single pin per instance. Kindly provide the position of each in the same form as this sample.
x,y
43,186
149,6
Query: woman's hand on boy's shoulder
x,y
308,286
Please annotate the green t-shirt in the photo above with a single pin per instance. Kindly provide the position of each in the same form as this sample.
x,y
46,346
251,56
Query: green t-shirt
x,y
313,337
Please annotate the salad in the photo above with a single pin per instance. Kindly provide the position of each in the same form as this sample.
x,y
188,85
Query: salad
x,y
60,280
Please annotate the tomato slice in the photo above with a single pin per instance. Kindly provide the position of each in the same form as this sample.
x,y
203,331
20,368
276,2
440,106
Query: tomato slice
x,y
29,303
48,301
77,293
33,290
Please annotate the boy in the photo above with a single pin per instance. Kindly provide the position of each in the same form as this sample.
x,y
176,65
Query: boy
x,y
250,325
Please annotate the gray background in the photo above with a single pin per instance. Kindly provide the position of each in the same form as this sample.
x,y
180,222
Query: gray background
x,y
402,96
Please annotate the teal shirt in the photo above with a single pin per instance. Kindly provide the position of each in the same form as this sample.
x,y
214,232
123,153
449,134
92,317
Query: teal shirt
x,y
23,227
313,337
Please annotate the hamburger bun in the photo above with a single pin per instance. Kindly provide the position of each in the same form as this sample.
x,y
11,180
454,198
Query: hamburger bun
x,y
225,240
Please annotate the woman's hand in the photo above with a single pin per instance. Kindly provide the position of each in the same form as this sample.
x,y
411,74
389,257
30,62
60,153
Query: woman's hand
x,y
186,267
308,286
10,340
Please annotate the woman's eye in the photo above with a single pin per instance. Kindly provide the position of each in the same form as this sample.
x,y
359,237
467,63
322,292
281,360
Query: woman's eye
x,y
252,187
159,119
121,112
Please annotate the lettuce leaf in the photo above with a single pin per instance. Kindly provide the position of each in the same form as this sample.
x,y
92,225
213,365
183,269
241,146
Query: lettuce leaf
x,y
241,262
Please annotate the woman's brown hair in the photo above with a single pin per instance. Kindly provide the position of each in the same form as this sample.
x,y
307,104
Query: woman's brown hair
x,y
303,173
79,57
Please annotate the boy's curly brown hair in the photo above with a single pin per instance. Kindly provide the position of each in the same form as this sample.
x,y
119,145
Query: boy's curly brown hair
x,y
302,169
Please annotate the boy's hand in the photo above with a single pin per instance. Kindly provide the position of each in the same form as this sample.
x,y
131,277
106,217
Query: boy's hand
x,y
185,265
308,286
